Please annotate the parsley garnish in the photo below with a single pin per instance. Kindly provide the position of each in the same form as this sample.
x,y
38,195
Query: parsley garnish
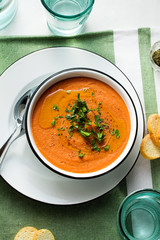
x,y
94,146
79,122
67,110
71,128
100,136
115,132
71,135
80,154
69,117
55,107
98,108
68,91
98,121
107,148
53,122
85,133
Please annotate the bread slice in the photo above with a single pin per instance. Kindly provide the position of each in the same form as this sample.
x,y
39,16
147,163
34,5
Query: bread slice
x,y
26,233
153,125
148,149
43,234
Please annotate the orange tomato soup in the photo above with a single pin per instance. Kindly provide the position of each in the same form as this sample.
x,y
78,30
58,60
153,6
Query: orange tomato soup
x,y
81,125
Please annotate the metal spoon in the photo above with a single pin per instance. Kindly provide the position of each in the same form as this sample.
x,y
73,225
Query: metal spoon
x,y
19,115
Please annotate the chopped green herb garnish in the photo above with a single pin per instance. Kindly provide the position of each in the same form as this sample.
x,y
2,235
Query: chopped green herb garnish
x,y
84,109
100,136
69,117
55,107
85,134
71,128
89,123
98,121
68,91
79,122
106,125
115,132
67,110
107,148
71,135
95,147
53,122
80,154
98,110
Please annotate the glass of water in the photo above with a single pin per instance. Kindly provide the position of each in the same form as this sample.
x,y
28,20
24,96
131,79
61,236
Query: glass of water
x,y
139,216
8,9
67,17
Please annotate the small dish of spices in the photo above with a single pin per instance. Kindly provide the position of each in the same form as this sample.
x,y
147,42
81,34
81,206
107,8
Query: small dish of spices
x,y
155,56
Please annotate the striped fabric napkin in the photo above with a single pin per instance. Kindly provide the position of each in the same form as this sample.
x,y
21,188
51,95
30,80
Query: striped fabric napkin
x,y
132,49
97,219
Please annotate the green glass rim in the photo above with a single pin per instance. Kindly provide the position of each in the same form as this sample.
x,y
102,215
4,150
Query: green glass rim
x,y
70,16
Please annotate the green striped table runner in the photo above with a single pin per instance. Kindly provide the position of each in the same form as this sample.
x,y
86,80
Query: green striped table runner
x,y
96,220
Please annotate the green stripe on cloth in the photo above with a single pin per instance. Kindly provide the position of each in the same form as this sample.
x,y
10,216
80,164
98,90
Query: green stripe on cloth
x,y
149,92
97,219
12,49
147,72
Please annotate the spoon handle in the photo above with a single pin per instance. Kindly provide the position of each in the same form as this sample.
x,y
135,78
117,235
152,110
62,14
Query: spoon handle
x,y
3,150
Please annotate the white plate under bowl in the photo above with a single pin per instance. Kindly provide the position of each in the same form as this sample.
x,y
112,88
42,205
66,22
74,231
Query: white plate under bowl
x,y
21,169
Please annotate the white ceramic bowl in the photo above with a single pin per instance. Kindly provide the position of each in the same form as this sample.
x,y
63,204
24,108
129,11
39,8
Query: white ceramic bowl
x,y
82,72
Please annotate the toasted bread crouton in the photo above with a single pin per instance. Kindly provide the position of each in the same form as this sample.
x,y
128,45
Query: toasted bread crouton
x,y
153,125
43,234
26,233
148,149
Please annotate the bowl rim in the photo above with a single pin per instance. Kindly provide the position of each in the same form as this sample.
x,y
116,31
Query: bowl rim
x,y
48,164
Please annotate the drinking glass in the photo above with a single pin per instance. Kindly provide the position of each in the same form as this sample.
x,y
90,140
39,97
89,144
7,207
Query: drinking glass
x,y
139,216
8,9
67,17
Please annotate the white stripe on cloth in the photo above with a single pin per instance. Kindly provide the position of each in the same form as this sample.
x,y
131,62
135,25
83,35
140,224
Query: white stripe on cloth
x,y
128,60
